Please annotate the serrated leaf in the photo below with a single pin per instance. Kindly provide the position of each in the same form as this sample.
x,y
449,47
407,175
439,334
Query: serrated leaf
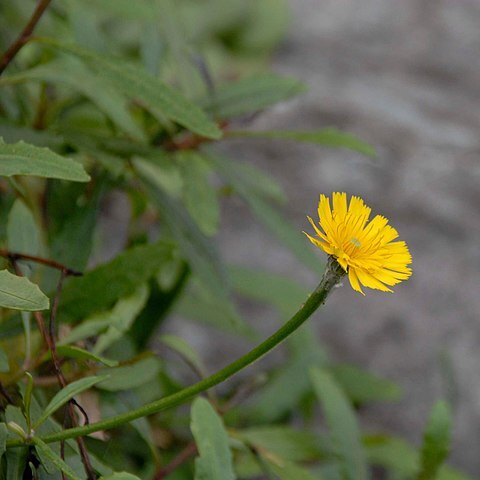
x,y
101,287
327,137
67,393
251,94
19,293
215,458
266,214
24,159
22,231
436,441
344,430
45,451
199,195
131,376
134,82
363,387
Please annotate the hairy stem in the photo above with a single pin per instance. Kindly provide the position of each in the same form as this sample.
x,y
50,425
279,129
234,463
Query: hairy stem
x,y
330,278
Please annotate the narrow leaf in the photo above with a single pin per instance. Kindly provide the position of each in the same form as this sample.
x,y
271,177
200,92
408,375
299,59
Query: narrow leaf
x,y
120,476
199,195
67,393
436,441
327,137
45,451
24,159
180,346
251,94
268,215
136,83
215,458
77,353
363,387
22,231
131,376
344,429
100,288
19,293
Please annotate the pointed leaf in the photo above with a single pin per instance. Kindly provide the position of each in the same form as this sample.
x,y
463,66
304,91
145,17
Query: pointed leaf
x,y
136,83
251,94
45,451
436,441
22,231
327,137
215,458
99,289
343,426
19,293
67,393
24,159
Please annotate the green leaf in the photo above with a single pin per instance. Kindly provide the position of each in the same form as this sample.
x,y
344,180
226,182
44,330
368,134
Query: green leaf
x,y
269,216
197,249
3,439
215,458
16,459
398,456
19,293
283,441
199,195
22,231
436,441
122,315
4,364
73,74
251,94
45,451
136,83
282,292
67,393
327,137
77,353
101,287
343,426
363,387
131,376
24,159
120,476
185,350
286,470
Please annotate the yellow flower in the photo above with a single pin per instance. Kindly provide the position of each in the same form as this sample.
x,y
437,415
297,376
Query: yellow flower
x,y
365,250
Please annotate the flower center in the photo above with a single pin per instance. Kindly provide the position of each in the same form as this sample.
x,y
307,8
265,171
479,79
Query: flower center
x,y
355,242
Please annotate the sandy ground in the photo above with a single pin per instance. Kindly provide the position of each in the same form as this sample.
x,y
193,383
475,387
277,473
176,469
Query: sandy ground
x,y
404,76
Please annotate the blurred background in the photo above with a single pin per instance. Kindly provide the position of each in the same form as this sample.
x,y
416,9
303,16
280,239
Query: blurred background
x,y
403,76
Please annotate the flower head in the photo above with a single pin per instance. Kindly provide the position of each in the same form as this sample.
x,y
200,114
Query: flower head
x,y
365,250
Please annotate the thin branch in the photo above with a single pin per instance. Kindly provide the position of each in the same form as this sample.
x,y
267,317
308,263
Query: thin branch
x,y
15,256
24,36
189,451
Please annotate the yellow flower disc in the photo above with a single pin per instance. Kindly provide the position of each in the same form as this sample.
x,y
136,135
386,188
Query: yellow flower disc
x,y
365,250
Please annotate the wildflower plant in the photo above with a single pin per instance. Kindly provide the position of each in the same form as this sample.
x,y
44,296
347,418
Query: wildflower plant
x,y
123,102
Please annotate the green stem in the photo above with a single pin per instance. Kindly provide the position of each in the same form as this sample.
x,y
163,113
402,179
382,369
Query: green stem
x,y
332,275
